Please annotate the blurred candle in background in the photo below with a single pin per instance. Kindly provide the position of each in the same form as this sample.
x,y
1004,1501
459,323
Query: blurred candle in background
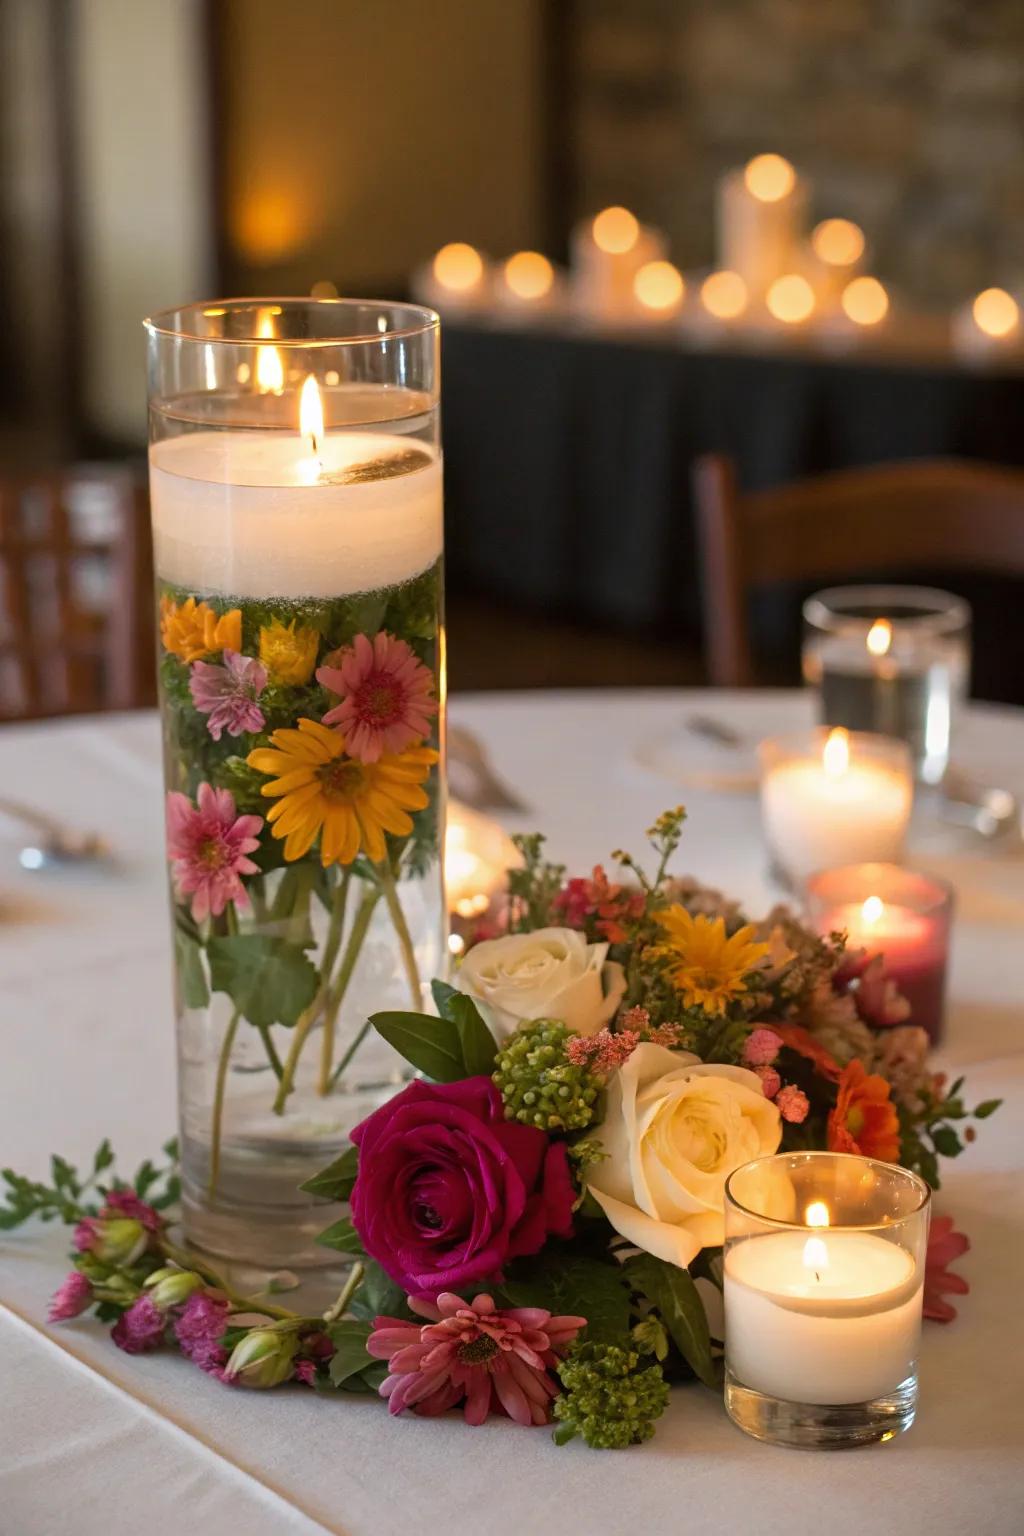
x,y
527,282
899,914
836,253
988,327
760,216
457,278
865,302
790,299
659,289
724,296
607,253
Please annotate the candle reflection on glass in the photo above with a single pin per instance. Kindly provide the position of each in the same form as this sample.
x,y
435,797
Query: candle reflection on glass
x,y
899,914
478,853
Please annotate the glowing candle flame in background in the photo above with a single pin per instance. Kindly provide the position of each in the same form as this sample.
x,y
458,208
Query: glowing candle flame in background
x,y
769,178
724,295
815,1255
835,757
838,242
659,285
529,275
865,301
790,298
995,312
879,637
616,231
458,266
872,911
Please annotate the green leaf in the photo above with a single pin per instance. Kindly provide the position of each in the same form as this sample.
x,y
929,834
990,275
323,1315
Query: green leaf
x,y
574,1285
672,1292
989,1107
431,1045
475,1039
269,980
335,1182
343,1237
946,1141
188,960
378,1295
350,1358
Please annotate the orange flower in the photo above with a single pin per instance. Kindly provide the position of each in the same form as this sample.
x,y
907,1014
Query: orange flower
x,y
190,630
803,1042
864,1120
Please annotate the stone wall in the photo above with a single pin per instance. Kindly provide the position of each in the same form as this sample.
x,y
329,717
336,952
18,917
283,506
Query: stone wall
x,y
908,116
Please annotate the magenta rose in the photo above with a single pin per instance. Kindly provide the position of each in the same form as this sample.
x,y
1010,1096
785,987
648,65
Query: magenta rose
x,y
449,1190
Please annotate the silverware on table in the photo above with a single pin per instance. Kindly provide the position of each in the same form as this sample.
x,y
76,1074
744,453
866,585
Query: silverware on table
x,y
472,777
714,730
984,808
55,843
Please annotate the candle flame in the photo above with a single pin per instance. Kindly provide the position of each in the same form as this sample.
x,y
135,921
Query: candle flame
x,y
529,275
458,266
879,637
790,298
835,757
269,367
872,910
311,415
838,242
995,312
724,295
615,231
816,1214
659,285
865,301
769,177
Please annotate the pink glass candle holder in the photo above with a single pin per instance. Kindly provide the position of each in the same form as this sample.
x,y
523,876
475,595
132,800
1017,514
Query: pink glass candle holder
x,y
899,914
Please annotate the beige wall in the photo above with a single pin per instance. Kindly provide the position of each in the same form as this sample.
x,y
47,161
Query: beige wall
x,y
363,134
143,208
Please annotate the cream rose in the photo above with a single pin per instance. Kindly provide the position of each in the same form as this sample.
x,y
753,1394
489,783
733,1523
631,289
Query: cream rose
x,y
675,1129
552,973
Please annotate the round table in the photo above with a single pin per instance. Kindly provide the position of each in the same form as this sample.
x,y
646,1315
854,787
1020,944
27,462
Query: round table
x,y
96,1440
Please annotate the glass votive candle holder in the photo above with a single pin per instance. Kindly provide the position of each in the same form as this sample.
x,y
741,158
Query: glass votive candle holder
x,y
897,913
824,1288
893,660
834,797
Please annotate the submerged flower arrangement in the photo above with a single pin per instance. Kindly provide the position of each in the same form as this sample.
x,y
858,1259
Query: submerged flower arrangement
x,y
535,1222
301,748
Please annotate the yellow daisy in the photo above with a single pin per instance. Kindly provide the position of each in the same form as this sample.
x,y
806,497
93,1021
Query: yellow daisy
x,y
288,651
190,630
321,792
707,967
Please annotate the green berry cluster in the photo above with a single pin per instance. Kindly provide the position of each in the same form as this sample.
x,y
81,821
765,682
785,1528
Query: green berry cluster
x,y
606,1399
538,1083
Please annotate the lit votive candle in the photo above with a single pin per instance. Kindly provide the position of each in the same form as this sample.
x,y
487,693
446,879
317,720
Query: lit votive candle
x,y
834,797
760,216
836,252
823,1279
527,283
899,914
458,278
988,327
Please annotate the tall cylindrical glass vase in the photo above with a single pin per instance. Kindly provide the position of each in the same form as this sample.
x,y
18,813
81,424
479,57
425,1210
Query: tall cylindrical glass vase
x,y
295,478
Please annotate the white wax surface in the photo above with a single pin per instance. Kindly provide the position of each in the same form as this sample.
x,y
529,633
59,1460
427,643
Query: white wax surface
x,y
843,1332
235,512
816,820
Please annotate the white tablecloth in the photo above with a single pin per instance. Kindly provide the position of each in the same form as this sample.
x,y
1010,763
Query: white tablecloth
x,y
92,1440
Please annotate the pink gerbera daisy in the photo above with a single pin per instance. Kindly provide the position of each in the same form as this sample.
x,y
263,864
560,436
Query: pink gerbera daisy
x,y
207,848
475,1353
385,696
227,694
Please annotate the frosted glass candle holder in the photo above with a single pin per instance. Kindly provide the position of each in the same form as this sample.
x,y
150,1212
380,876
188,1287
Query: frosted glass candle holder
x,y
824,1290
834,797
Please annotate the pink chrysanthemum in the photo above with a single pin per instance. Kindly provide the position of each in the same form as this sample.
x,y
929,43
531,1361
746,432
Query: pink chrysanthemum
x,y
141,1328
70,1298
227,694
125,1202
944,1245
199,1328
761,1048
771,1082
207,848
473,1353
792,1104
385,696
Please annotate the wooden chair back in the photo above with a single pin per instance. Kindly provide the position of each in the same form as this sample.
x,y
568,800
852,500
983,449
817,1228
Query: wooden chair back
x,y
925,515
76,593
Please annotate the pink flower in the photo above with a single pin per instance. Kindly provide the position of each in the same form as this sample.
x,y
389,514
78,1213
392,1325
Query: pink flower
x,y
473,1353
70,1298
207,848
611,906
125,1202
604,1052
761,1048
199,1328
792,1104
875,996
141,1328
385,694
944,1245
227,694
305,1371
771,1082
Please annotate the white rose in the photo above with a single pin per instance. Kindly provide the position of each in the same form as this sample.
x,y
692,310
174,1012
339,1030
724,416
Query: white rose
x,y
552,973
675,1129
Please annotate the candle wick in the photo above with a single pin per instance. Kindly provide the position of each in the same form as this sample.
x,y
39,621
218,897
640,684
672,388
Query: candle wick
x,y
817,1277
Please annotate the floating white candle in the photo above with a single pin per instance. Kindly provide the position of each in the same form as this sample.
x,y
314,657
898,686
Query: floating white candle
x,y
829,1318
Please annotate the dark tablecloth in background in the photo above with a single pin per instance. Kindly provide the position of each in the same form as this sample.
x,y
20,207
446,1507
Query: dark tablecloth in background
x,y
568,457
